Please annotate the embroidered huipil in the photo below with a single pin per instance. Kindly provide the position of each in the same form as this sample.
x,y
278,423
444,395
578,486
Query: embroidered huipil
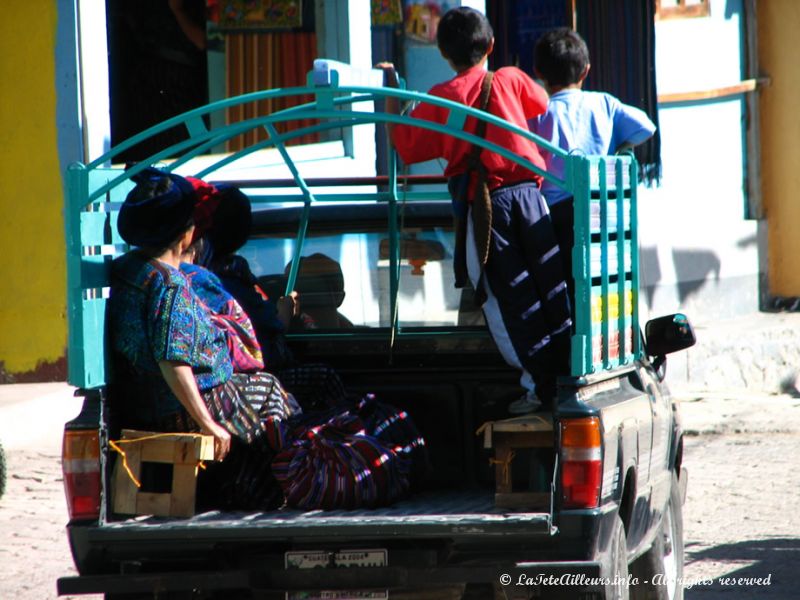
x,y
155,316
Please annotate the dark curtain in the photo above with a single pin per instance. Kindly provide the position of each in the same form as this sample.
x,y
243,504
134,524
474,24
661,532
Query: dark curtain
x,y
621,39
518,24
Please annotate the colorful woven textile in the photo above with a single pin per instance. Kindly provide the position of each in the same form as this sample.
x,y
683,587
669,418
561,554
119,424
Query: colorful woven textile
x,y
348,462
242,284
229,316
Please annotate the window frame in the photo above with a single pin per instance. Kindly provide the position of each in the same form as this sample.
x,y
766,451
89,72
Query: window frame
x,y
683,11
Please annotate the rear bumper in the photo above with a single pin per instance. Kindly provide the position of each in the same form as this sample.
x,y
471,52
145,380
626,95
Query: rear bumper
x,y
552,579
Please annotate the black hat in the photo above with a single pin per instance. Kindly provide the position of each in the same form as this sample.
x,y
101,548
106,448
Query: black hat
x,y
231,221
157,210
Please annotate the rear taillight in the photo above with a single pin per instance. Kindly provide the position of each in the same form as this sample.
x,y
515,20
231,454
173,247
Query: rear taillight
x,y
581,462
81,465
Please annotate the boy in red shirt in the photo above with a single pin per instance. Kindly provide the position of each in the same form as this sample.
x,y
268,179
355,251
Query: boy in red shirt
x,y
526,304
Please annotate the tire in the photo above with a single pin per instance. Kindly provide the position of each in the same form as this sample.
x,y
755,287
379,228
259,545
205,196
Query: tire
x,y
663,563
617,588
2,471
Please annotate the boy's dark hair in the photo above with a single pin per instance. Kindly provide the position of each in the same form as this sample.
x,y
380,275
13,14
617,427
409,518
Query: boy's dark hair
x,y
560,57
464,36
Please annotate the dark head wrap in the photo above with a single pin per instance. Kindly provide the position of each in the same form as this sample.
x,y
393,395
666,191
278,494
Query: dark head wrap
x,y
231,220
157,210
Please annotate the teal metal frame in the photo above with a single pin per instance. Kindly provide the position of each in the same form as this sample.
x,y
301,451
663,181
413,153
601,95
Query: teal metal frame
x,y
95,190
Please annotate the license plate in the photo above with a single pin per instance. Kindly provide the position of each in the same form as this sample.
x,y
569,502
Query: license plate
x,y
321,559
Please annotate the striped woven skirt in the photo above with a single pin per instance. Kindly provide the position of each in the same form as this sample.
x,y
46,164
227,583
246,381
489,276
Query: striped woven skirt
x,y
241,405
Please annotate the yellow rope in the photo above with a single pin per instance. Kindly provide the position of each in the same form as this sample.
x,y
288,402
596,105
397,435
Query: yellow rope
x,y
114,444
506,464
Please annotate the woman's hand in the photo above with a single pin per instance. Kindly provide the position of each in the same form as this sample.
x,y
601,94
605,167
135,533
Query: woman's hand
x,y
222,439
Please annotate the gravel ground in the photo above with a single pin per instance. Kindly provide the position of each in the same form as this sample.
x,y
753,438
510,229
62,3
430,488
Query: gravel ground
x,y
740,519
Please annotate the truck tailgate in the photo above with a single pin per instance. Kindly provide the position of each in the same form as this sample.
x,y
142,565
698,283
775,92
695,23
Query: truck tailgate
x,y
428,515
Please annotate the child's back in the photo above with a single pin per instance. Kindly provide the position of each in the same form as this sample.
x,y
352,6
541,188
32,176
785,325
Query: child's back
x,y
575,120
591,122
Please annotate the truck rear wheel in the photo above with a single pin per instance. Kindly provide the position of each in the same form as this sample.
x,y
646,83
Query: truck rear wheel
x,y
660,570
617,586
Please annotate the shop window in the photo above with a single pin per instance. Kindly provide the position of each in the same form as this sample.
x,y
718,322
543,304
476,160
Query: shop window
x,y
264,47
678,9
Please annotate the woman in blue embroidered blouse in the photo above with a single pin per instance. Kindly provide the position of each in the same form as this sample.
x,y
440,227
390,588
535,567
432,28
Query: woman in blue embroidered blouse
x,y
172,366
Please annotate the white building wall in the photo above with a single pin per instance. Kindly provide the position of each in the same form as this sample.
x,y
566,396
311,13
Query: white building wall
x,y
699,253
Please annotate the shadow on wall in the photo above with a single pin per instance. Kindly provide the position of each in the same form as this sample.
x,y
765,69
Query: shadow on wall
x,y
692,270
650,272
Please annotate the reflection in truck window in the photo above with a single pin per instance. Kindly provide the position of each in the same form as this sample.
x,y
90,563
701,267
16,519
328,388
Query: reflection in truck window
x,y
426,295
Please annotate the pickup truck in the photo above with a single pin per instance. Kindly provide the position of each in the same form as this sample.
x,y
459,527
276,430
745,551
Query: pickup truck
x,y
610,480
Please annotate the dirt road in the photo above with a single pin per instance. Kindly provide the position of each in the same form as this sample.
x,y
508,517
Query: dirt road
x,y
741,518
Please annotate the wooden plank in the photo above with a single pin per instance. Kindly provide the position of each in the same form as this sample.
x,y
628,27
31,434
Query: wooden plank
x,y
526,423
124,491
182,451
184,488
748,85
502,468
157,450
524,439
163,448
148,503
205,448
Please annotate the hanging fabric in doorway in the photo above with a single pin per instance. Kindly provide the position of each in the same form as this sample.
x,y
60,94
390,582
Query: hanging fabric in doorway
x,y
229,15
621,40
386,12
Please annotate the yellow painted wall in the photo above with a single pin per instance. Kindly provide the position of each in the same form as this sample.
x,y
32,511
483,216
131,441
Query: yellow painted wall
x,y
778,25
32,262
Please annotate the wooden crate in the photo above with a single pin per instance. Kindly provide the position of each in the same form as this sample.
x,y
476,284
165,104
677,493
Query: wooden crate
x,y
507,436
183,451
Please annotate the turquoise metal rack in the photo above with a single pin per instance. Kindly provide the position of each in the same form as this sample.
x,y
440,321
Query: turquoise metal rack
x,y
605,255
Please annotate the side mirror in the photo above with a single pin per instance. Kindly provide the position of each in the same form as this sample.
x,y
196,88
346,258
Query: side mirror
x,y
668,334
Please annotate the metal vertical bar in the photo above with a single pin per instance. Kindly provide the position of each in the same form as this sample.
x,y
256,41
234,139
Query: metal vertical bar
x,y
579,183
77,192
634,247
604,263
622,316
309,198
394,251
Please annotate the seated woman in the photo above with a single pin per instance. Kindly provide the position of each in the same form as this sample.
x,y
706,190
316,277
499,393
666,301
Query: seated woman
x,y
225,312
224,219
173,371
